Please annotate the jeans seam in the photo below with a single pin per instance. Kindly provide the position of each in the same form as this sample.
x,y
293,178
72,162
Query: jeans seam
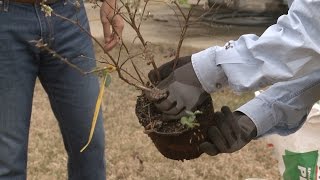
x,y
50,30
39,21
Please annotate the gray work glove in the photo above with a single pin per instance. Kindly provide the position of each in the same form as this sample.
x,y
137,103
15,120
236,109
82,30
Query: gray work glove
x,y
183,87
233,132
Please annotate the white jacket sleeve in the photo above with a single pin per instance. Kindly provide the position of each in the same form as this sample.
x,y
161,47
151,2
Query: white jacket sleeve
x,y
283,107
286,50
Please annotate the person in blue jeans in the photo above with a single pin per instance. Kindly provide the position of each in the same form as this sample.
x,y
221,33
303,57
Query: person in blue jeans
x,y
286,56
71,94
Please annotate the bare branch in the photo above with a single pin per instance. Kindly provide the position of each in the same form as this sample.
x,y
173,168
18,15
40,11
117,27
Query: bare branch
x,y
176,14
144,43
119,54
143,11
39,44
100,61
118,69
79,25
134,78
182,35
129,58
182,13
135,68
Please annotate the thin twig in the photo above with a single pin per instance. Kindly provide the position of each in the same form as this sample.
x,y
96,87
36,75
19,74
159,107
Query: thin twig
x,y
182,13
182,35
176,14
129,58
102,47
132,23
135,68
143,11
119,54
140,37
100,61
45,47
82,28
134,78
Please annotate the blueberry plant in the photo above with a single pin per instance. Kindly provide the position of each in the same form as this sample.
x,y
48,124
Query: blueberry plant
x,y
134,13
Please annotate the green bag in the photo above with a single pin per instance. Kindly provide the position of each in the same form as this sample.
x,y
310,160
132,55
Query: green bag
x,y
300,166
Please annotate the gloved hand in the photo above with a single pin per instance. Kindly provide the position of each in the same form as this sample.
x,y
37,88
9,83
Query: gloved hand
x,y
233,132
183,87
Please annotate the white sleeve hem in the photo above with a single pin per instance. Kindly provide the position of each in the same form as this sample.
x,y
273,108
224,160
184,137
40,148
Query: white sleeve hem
x,y
258,111
209,74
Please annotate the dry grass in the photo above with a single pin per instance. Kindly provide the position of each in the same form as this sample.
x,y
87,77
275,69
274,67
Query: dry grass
x,y
130,153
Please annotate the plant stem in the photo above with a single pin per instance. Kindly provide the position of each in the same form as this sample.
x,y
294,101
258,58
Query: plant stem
x,y
183,32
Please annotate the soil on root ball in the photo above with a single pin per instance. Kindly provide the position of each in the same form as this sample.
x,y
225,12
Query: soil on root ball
x,y
172,139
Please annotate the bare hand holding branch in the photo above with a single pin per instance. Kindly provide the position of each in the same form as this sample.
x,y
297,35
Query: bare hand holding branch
x,y
112,23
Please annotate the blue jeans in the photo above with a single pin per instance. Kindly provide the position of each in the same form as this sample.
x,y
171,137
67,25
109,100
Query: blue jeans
x,y
71,94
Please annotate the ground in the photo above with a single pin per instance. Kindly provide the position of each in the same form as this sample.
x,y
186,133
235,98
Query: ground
x,y
130,153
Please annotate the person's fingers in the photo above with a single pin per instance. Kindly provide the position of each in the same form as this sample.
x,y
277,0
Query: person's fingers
x,y
225,128
209,148
166,69
231,121
179,106
118,25
203,97
168,103
174,111
106,24
164,72
111,42
217,139
226,110
107,32
112,36
171,107
165,105
152,75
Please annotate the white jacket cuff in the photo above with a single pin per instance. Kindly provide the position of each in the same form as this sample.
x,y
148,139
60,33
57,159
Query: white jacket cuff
x,y
259,112
210,75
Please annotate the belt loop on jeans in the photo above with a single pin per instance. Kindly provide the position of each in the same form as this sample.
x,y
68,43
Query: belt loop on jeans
x,y
5,5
